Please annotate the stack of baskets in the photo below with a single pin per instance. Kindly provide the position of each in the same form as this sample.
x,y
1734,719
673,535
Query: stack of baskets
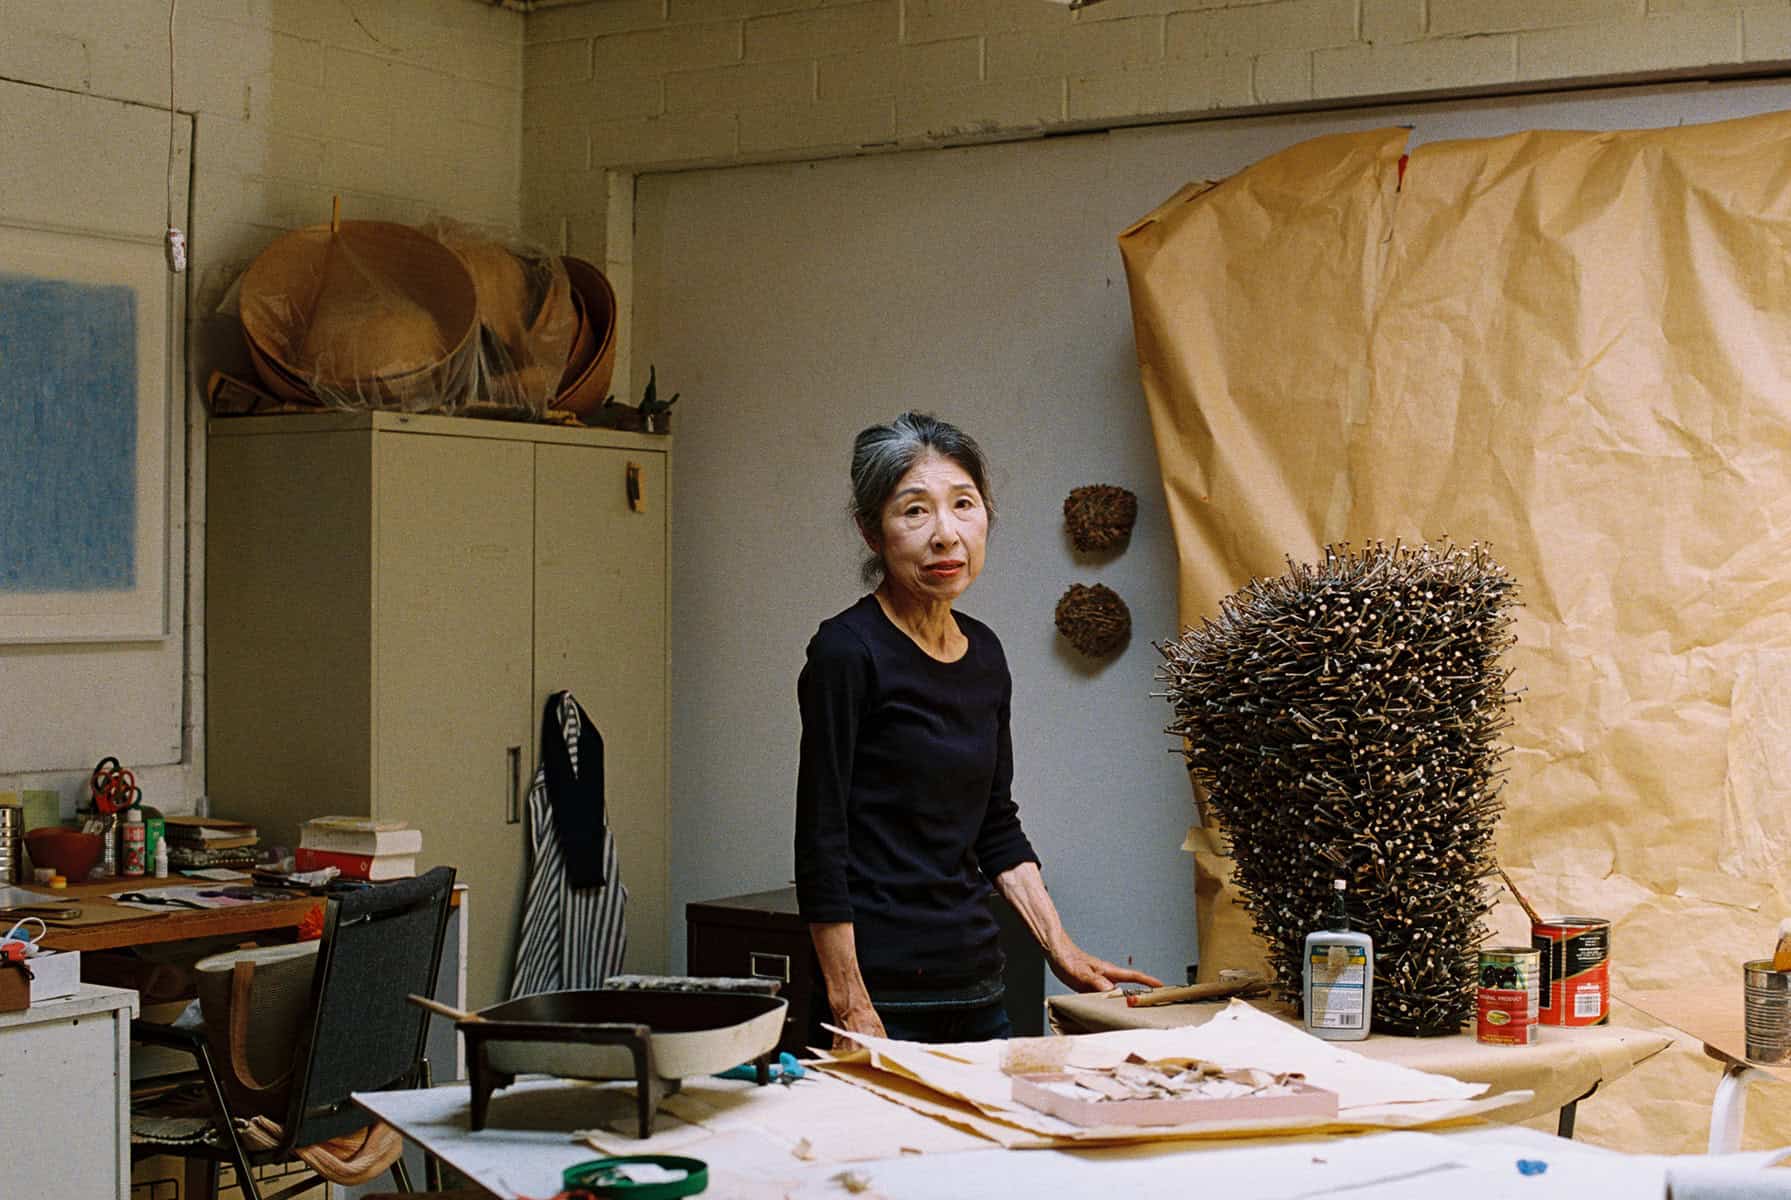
x,y
372,314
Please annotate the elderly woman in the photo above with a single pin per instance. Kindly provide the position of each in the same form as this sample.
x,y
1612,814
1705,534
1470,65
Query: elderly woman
x,y
903,811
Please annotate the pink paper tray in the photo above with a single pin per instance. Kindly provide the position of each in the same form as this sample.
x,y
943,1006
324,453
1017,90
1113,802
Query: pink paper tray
x,y
1304,1101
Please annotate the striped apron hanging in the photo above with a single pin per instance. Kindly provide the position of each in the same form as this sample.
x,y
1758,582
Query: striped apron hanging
x,y
572,937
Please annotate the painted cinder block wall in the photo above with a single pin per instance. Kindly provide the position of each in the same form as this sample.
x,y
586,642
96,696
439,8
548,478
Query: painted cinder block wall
x,y
411,108
405,108
637,85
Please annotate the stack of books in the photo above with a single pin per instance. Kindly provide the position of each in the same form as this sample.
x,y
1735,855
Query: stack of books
x,y
199,842
359,847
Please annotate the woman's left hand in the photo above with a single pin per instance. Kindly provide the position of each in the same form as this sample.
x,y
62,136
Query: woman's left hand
x,y
1083,971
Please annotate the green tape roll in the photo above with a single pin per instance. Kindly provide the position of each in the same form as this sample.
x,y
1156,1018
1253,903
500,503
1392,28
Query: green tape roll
x,y
604,1177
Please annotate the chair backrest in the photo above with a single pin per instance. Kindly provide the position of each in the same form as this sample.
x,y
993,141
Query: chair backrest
x,y
379,945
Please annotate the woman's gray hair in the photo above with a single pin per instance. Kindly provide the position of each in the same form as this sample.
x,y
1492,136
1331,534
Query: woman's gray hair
x,y
882,454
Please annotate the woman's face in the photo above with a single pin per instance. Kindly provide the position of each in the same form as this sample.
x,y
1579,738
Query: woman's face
x,y
934,530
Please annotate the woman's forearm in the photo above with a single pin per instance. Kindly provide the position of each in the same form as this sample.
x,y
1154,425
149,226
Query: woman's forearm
x,y
1024,888
836,945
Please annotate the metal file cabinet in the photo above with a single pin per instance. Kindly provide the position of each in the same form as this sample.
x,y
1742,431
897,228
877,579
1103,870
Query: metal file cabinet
x,y
762,935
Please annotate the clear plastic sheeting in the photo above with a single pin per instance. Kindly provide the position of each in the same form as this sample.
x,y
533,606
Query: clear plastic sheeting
x,y
377,315
528,321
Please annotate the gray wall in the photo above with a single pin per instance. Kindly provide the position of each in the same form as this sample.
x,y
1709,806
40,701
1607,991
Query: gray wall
x,y
794,304
797,304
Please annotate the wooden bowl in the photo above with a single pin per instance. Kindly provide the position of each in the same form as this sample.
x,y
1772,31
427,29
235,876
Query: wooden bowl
x,y
584,348
69,852
372,309
585,394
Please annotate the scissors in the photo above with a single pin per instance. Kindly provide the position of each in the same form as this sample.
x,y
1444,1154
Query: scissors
x,y
152,898
114,788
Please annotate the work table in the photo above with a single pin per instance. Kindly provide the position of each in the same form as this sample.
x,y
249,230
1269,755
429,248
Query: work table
x,y
1562,1067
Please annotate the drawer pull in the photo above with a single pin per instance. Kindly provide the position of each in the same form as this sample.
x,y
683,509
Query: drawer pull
x,y
768,966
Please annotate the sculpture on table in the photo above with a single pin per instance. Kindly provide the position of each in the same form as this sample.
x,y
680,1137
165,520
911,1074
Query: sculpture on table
x,y
1344,720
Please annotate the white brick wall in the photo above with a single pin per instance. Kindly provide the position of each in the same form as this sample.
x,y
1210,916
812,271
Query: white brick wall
x,y
685,82
406,108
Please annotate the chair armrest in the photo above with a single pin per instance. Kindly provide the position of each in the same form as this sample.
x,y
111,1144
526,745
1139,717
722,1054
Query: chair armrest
x,y
158,1034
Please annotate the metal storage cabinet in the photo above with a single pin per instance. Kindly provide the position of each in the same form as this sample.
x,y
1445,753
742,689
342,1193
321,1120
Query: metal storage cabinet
x,y
390,599
65,1096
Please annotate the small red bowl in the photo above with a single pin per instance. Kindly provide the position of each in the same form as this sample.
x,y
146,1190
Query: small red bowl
x,y
68,852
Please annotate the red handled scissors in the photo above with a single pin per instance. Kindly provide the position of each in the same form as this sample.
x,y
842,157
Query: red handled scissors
x,y
114,788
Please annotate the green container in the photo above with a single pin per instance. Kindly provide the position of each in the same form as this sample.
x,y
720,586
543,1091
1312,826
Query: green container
x,y
153,827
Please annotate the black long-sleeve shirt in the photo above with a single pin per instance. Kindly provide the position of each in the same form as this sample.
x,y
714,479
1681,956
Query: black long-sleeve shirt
x,y
903,812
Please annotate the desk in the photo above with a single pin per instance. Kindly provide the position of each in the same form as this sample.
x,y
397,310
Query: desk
x,y
174,925
1561,1068
1468,1163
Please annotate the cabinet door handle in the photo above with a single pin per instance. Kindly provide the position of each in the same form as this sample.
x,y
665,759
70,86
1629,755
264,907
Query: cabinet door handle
x,y
637,500
513,803
761,965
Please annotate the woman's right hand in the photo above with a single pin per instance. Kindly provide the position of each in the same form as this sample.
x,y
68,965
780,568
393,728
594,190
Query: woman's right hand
x,y
859,1019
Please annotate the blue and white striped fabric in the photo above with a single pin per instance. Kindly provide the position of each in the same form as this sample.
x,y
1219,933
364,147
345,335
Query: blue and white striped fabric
x,y
571,937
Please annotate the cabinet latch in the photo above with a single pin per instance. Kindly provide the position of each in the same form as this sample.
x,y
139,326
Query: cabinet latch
x,y
637,501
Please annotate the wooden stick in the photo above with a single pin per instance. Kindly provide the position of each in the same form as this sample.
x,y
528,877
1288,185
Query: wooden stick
x,y
1216,990
1528,911
443,1010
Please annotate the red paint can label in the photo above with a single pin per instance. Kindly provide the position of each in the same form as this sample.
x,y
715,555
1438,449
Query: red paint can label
x,y
1510,986
1576,979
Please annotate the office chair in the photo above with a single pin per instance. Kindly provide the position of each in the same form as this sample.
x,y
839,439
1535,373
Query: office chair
x,y
379,945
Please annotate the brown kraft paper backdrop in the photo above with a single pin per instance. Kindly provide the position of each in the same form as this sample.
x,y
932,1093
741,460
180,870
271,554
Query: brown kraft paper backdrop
x,y
1575,347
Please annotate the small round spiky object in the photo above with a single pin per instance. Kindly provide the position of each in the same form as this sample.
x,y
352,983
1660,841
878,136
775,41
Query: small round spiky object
x,y
1345,720
1094,619
1100,516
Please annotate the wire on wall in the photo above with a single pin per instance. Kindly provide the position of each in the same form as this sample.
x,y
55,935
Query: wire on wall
x,y
177,241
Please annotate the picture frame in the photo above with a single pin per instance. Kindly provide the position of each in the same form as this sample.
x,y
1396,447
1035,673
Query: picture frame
x,y
85,403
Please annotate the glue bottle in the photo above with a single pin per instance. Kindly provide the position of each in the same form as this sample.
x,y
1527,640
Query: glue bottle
x,y
1339,983
161,859
131,843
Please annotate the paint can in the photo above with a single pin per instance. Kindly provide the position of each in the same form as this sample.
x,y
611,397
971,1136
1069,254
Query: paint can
x,y
1576,979
12,843
1767,1012
1510,987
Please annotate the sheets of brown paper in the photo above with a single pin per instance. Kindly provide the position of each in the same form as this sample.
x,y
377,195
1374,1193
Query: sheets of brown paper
x,y
1577,347
964,1084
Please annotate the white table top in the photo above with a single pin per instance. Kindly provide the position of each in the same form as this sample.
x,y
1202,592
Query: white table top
x,y
92,998
531,1142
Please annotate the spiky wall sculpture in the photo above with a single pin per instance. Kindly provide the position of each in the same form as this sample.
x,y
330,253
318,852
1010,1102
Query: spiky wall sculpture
x,y
1344,719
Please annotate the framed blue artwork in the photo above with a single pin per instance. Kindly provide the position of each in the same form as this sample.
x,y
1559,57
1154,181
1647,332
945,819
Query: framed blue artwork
x,y
84,418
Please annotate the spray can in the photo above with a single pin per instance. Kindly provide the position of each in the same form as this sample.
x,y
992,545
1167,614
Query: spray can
x,y
1339,983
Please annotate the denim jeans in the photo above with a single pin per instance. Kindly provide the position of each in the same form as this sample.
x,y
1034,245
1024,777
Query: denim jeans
x,y
977,1024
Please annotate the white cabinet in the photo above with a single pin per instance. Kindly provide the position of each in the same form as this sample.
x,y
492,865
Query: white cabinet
x,y
390,599
65,1096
